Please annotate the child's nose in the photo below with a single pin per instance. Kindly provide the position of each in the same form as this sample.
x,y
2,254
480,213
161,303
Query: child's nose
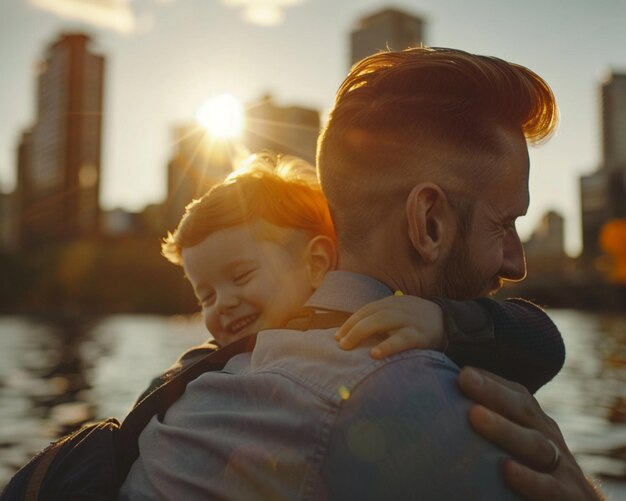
x,y
226,301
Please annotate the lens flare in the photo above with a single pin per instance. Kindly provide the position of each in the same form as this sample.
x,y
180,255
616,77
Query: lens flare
x,y
222,116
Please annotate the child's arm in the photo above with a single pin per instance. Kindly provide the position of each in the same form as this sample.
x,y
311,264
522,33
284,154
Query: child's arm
x,y
410,322
514,338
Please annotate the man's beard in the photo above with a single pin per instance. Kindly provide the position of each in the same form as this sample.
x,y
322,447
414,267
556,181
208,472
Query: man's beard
x,y
458,279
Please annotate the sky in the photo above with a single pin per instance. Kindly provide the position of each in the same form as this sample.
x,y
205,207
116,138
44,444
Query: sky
x,y
165,57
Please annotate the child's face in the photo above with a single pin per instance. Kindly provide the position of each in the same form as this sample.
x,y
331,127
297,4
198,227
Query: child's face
x,y
245,282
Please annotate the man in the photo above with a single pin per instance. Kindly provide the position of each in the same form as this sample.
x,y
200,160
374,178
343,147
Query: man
x,y
443,113
425,166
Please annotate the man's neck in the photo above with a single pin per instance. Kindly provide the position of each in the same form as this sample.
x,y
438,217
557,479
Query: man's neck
x,y
407,280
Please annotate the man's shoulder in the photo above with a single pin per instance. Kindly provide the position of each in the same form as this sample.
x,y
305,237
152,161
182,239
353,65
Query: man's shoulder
x,y
314,359
403,429
413,374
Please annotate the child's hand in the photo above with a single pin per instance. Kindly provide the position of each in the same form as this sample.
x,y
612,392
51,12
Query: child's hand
x,y
410,322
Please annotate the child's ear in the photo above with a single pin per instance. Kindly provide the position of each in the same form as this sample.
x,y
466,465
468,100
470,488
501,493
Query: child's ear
x,y
428,218
321,257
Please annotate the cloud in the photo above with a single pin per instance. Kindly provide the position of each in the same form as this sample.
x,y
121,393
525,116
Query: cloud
x,y
116,15
263,12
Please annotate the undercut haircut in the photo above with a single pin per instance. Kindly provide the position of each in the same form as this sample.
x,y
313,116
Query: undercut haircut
x,y
423,114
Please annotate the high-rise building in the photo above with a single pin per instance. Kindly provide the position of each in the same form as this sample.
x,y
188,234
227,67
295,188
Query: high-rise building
x,y
548,239
546,260
59,159
602,199
8,227
603,192
24,196
613,101
389,28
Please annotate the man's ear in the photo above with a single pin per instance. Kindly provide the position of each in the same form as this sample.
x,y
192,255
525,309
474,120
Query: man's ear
x,y
321,257
428,218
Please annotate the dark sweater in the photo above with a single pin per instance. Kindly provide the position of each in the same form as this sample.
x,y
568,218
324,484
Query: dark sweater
x,y
514,339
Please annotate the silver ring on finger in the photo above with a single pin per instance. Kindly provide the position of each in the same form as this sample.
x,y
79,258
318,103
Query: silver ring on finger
x,y
557,457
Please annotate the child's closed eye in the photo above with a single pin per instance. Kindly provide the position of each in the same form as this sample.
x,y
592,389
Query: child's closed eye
x,y
207,300
242,278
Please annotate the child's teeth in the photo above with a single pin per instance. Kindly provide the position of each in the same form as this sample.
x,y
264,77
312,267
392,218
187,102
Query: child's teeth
x,y
242,323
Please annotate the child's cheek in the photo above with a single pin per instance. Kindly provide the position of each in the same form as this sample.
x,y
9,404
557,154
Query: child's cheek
x,y
210,320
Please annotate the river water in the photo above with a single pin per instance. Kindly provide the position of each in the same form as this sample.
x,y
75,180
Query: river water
x,y
53,379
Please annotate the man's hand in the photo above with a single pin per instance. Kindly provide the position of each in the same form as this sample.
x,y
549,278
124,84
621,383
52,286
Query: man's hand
x,y
507,415
409,321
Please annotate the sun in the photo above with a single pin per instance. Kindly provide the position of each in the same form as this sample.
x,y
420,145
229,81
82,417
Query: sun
x,y
222,116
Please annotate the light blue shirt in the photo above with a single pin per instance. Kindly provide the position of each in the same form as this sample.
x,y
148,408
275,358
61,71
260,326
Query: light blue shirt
x,y
299,418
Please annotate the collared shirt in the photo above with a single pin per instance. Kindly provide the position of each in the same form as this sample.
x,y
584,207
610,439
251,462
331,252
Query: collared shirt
x,y
299,418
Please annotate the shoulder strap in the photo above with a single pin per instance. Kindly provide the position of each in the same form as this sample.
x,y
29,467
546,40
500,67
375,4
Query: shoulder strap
x,y
157,402
37,476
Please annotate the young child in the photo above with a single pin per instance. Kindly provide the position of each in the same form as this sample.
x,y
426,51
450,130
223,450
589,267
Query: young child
x,y
256,246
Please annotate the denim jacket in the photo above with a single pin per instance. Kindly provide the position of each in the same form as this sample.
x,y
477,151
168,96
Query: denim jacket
x,y
299,418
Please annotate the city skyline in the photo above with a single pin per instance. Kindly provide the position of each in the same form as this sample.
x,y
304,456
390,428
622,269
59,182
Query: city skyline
x,y
161,71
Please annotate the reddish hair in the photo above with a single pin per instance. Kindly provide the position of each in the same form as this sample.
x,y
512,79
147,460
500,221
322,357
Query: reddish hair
x,y
280,190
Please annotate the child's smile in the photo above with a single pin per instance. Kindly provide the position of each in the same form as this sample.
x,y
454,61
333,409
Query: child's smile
x,y
247,278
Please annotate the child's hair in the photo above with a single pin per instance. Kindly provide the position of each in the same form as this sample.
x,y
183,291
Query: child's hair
x,y
281,190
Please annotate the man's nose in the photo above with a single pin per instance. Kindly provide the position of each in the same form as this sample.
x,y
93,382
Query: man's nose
x,y
514,262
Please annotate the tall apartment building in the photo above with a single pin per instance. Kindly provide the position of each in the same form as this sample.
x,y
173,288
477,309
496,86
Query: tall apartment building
x,y
603,193
389,28
613,102
59,157
548,239
8,228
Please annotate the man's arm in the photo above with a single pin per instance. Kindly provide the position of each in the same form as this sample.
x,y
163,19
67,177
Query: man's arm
x,y
526,346
514,338
507,415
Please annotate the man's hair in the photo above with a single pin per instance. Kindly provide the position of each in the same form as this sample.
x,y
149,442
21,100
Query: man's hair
x,y
423,114
281,190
